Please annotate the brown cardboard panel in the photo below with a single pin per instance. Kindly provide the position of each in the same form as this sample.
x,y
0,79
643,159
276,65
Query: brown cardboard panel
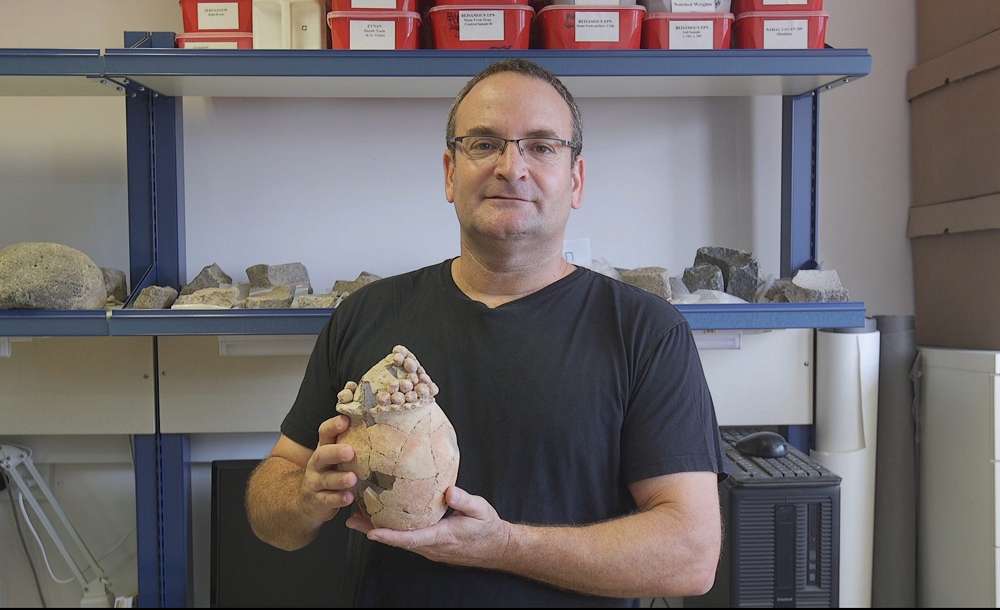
x,y
979,214
943,25
964,62
957,295
955,139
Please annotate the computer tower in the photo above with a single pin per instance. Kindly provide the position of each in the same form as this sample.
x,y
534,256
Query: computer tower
x,y
248,573
781,541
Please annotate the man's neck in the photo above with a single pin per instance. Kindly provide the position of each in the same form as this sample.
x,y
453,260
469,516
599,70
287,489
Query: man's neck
x,y
500,278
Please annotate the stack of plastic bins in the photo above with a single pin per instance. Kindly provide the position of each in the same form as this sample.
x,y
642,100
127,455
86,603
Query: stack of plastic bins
x,y
214,24
764,24
374,25
481,24
580,24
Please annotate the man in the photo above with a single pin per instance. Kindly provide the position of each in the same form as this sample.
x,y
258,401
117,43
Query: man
x,y
589,444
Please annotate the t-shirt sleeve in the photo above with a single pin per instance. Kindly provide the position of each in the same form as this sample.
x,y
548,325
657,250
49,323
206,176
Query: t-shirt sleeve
x,y
317,398
670,425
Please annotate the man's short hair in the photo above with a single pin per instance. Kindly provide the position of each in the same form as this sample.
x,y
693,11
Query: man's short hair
x,y
527,68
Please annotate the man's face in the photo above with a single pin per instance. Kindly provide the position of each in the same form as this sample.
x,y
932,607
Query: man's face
x,y
511,197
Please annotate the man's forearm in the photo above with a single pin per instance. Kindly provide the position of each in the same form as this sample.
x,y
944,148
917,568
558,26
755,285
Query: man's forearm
x,y
648,554
273,505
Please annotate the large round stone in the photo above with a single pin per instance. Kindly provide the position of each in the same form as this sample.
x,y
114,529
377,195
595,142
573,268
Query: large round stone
x,y
49,276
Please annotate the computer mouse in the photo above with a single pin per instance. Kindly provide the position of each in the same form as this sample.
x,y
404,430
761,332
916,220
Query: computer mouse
x,y
763,444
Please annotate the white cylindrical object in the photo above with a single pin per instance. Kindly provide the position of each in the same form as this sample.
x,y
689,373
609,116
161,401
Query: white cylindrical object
x,y
857,521
846,390
847,364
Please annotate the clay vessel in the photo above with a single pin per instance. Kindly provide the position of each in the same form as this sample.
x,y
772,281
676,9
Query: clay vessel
x,y
405,449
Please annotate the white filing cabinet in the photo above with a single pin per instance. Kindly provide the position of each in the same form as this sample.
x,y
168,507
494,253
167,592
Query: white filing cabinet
x,y
959,543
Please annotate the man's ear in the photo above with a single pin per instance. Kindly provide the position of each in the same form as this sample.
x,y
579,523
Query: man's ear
x,y
576,175
449,175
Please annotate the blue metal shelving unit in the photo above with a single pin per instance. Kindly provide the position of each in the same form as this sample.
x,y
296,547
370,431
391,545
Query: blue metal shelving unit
x,y
150,74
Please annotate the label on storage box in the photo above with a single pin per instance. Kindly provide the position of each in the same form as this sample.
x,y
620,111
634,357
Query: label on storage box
x,y
786,34
480,25
693,6
598,2
373,35
597,27
218,16
692,35
211,45
373,3
786,2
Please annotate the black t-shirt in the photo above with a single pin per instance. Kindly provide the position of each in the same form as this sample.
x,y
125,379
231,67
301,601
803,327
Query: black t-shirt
x,y
559,399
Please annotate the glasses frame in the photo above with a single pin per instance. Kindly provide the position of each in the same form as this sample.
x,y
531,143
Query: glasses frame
x,y
455,141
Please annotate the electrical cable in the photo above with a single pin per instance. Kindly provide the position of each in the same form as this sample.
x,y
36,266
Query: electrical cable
x,y
41,546
24,544
115,547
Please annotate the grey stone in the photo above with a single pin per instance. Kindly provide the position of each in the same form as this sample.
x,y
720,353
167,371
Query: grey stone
x,y
345,287
209,277
704,277
650,279
678,288
288,274
115,283
38,275
812,286
776,292
208,298
316,301
155,297
739,269
278,297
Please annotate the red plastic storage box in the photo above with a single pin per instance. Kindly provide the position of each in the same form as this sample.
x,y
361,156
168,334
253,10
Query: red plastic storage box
x,y
217,15
687,31
780,30
337,6
374,30
215,40
591,27
769,6
482,26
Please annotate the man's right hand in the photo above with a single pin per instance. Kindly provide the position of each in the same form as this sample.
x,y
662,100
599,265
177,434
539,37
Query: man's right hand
x,y
325,489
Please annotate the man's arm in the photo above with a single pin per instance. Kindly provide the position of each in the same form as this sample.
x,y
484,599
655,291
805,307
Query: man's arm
x,y
295,490
669,548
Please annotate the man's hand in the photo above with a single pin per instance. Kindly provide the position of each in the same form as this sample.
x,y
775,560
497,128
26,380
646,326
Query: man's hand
x,y
325,490
474,535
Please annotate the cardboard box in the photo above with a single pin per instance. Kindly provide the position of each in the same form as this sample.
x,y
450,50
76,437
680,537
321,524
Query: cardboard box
x,y
955,124
956,250
954,223
945,25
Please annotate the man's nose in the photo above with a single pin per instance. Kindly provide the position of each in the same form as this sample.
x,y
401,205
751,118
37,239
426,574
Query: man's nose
x,y
511,164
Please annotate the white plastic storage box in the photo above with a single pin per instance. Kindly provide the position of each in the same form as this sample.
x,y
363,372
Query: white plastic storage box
x,y
686,6
289,24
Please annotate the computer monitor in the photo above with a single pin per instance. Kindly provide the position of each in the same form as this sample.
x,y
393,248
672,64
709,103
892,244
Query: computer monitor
x,y
249,573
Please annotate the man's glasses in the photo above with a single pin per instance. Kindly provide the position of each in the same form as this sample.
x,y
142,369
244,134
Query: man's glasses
x,y
540,151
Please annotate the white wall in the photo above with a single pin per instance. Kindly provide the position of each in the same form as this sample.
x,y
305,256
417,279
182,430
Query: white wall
x,y
663,178
266,183
865,157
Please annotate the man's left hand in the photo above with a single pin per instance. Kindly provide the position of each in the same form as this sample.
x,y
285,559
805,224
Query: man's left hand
x,y
474,535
